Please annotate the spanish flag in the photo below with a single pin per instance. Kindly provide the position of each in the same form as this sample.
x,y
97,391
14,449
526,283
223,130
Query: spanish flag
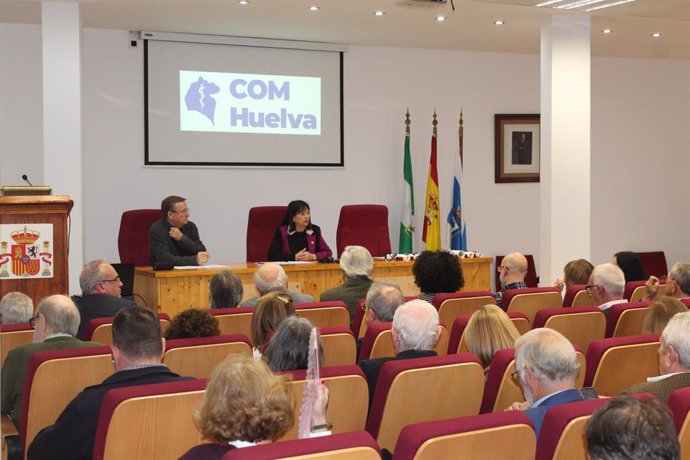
x,y
432,224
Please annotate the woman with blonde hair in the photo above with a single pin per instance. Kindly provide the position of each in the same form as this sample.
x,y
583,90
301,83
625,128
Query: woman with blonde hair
x,y
660,312
489,330
246,404
270,310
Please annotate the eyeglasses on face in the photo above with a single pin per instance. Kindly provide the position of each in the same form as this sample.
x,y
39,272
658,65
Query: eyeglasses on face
x,y
515,377
505,267
32,322
590,287
114,280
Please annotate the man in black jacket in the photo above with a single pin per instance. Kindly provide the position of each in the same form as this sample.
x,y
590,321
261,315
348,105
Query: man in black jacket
x,y
137,352
175,238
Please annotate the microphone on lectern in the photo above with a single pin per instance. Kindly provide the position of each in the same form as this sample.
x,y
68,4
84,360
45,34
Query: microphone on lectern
x,y
26,178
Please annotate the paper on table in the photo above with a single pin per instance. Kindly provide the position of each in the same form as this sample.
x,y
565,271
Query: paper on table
x,y
195,267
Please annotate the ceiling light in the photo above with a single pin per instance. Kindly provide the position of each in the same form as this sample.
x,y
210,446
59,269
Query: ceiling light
x,y
547,3
313,8
243,2
499,22
379,13
440,18
600,7
607,31
578,4
656,35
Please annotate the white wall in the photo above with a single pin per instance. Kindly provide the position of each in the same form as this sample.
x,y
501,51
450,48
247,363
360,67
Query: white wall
x,y
632,118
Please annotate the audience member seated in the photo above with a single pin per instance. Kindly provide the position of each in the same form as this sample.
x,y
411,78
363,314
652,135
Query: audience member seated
x,y
631,265
289,346
574,272
16,308
660,312
415,332
174,238
437,272
633,429
357,265
511,274
382,299
298,238
100,288
272,278
270,310
677,282
547,368
137,351
225,290
246,404
55,326
606,286
489,330
674,360
192,323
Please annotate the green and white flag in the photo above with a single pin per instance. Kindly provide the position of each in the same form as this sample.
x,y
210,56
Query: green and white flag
x,y
407,218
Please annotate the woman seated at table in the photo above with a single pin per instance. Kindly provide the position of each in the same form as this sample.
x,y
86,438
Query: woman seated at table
x,y
246,404
297,238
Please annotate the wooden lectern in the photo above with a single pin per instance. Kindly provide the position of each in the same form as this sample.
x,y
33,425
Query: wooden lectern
x,y
40,210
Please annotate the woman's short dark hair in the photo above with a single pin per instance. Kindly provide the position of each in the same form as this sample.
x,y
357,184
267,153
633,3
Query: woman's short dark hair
x,y
289,346
438,271
631,265
225,290
294,208
191,323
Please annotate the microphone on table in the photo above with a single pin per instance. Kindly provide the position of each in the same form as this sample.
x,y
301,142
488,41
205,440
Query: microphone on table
x,y
26,178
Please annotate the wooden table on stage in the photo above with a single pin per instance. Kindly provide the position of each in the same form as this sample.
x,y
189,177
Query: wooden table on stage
x,y
172,291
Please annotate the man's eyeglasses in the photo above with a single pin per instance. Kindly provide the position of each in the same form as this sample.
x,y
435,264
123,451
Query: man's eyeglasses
x,y
181,211
114,280
363,306
515,377
505,267
32,322
590,287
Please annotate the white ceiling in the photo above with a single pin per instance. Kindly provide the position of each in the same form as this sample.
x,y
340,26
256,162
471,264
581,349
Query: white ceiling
x,y
352,22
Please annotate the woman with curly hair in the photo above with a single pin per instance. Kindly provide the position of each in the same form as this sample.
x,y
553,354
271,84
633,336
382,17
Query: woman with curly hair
x,y
437,272
192,323
246,404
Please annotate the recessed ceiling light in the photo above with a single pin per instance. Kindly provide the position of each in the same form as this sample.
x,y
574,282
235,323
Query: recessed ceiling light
x,y
607,31
379,13
499,22
608,5
656,35
440,18
313,8
243,2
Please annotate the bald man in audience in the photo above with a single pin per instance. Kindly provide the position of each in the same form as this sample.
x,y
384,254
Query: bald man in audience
x,y
415,332
547,366
137,353
16,308
55,326
677,283
511,274
272,278
101,293
383,298
606,286
674,360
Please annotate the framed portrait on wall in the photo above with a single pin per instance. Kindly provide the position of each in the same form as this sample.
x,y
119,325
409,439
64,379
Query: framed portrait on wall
x,y
517,148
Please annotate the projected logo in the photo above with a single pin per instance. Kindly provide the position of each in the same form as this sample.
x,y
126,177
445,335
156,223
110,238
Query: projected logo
x,y
250,103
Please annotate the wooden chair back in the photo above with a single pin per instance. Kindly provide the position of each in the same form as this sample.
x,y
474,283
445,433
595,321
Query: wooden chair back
x,y
582,299
531,303
327,315
104,332
623,365
452,308
10,337
339,346
234,320
198,357
640,293
630,322
383,345
579,328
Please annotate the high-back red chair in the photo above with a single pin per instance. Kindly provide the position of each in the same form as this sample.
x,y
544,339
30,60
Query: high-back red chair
x,y
356,445
616,311
261,225
679,403
481,437
450,306
531,279
133,237
654,263
370,338
577,296
198,356
499,389
364,225
580,325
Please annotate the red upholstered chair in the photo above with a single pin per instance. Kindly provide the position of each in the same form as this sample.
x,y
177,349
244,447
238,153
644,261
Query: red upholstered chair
x,y
359,327
654,263
419,390
531,278
364,225
456,342
561,434
580,325
577,296
133,238
324,314
12,335
370,338
197,357
679,403
339,345
450,306
378,342
148,421
100,329
357,445
499,389
614,364
531,300
686,301
481,437
45,396
635,291
234,320
614,315
261,225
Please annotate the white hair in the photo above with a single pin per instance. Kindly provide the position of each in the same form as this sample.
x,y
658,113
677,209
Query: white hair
x,y
356,261
680,273
610,277
548,353
16,307
676,334
91,274
416,324
270,277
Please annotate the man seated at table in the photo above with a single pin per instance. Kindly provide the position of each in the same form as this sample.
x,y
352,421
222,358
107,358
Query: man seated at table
x,y
272,278
174,238
137,353
55,325
101,293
